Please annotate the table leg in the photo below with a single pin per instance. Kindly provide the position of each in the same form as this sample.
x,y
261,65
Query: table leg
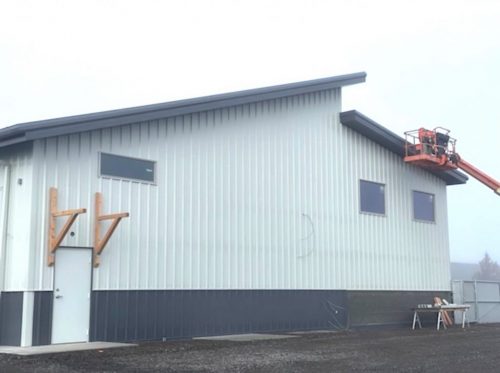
x,y
465,317
414,320
440,320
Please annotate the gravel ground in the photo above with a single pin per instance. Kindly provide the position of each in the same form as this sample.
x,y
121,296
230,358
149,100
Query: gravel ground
x,y
475,349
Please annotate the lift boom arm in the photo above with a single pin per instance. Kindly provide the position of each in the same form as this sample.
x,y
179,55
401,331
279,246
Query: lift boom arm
x,y
479,175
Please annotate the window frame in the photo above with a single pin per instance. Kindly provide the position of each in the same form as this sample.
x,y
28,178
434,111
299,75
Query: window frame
x,y
384,214
413,191
114,177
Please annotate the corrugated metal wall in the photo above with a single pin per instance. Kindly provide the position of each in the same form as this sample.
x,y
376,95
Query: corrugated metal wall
x,y
17,183
482,296
261,196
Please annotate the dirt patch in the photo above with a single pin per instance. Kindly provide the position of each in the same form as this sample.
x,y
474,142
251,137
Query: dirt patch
x,y
474,349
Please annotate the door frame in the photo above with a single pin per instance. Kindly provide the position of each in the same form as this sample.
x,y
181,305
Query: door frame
x,y
4,220
91,269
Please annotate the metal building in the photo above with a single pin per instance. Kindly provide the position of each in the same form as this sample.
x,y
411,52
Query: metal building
x,y
261,210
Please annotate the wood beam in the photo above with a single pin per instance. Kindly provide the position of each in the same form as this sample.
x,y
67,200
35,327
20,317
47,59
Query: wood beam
x,y
56,239
69,212
100,243
113,216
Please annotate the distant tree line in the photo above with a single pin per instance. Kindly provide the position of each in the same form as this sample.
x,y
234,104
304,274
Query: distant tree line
x,y
489,270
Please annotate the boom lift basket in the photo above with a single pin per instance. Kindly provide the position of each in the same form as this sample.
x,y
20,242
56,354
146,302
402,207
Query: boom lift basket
x,y
435,150
431,149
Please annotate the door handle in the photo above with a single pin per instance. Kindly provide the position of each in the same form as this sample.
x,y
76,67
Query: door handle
x,y
58,296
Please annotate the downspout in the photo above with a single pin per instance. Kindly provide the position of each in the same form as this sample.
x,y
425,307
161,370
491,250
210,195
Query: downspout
x,y
3,221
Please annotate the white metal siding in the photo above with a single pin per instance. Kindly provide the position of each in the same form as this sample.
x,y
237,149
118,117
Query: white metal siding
x,y
256,196
18,245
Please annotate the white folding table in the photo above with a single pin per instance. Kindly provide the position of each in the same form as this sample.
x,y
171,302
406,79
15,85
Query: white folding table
x,y
439,310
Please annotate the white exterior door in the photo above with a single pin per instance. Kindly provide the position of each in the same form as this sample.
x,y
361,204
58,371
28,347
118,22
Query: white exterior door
x,y
72,284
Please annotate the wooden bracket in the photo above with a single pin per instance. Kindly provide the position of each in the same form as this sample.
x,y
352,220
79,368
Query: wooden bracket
x,y
56,239
100,243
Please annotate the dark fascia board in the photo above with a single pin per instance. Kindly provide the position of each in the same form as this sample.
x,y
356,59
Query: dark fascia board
x,y
87,122
389,140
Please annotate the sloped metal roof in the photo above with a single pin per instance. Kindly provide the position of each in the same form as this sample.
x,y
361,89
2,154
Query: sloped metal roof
x,y
53,127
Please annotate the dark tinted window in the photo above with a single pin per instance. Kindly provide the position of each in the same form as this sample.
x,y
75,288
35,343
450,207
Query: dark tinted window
x,y
423,206
127,168
372,197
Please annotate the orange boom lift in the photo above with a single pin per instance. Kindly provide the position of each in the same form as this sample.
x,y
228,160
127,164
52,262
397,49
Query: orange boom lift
x,y
435,150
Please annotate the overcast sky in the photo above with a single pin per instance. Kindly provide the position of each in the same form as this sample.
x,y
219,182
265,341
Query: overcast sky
x,y
429,63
